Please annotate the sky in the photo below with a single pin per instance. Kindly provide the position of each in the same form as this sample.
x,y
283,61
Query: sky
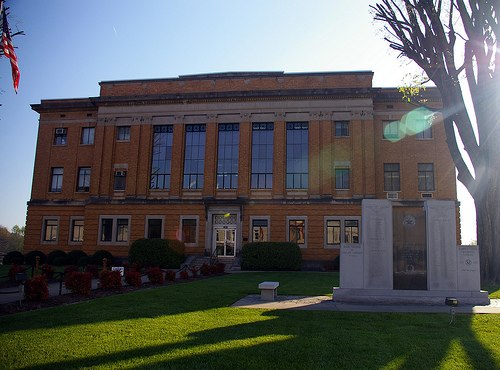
x,y
70,46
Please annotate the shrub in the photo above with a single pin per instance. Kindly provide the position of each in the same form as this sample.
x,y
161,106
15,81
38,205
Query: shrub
x,y
47,271
155,275
194,271
205,269
212,269
165,253
69,269
98,256
184,275
36,289
74,256
268,256
85,261
15,269
57,258
30,257
170,274
13,257
133,278
93,270
110,280
220,268
79,282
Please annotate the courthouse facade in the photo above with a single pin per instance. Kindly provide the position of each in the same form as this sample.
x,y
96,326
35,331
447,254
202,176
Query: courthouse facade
x,y
219,160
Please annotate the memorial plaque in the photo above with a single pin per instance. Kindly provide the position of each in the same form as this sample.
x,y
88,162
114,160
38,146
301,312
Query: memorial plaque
x,y
351,266
468,268
410,252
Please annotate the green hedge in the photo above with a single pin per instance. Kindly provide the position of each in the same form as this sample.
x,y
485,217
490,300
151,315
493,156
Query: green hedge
x,y
269,256
165,253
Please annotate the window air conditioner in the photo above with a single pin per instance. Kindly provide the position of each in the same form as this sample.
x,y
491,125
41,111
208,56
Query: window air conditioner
x,y
120,173
426,195
392,196
60,131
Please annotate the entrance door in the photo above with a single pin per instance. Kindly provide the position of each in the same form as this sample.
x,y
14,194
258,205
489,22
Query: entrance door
x,y
225,241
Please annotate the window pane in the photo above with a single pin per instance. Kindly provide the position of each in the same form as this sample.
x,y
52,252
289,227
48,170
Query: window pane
x,y
87,135
260,231
106,229
391,177
262,155
351,231
57,178
122,230
297,157
194,156
189,230
77,231
50,230
227,161
123,133
296,229
162,157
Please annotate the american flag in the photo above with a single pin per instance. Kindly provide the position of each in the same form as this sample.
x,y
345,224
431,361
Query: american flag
x,y
8,49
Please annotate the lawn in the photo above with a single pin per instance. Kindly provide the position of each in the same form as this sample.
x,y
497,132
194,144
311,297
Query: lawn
x,y
192,326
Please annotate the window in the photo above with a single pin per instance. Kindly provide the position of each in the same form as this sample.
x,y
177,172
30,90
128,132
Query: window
x,y
297,231
120,180
340,230
189,230
122,230
425,177
391,177
123,133
83,179
342,178
77,227
114,229
60,136
391,130
262,156
50,228
260,230
227,157
162,157
154,228
194,157
341,128
87,136
297,155
57,179
424,129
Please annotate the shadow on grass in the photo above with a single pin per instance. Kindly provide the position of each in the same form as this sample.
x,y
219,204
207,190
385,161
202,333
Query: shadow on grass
x,y
310,339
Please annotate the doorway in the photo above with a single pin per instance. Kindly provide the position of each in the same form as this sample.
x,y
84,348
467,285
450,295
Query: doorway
x,y
225,241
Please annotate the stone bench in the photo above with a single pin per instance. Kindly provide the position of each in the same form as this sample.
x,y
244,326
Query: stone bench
x,y
268,290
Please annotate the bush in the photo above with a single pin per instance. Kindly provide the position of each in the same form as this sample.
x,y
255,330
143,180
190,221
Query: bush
x,y
165,253
36,289
220,268
98,256
194,271
15,269
170,274
57,258
133,278
205,269
155,275
69,269
30,258
13,257
269,256
74,256
93,270
184,275
47,271
111,280
79,282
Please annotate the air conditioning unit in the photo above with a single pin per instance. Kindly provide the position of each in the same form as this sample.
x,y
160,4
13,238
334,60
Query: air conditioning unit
x,y
392,196
426,195
60,131
120,173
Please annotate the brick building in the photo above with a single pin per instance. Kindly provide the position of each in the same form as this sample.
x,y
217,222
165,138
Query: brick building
x,y
218,160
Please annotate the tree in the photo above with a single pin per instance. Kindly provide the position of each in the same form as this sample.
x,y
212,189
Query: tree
x,y
455,44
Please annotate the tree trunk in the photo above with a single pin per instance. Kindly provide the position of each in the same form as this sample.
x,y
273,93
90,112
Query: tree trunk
x,y
487,202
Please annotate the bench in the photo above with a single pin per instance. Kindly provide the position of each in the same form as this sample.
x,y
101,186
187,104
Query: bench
x,y
268,290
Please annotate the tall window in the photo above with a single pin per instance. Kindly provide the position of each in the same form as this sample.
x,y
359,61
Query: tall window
x,y
122,229
424,129
162,157
333,232
341,128
87,136
114,229
57,179
342,178
297,231
425,177
260,230
106,229
194,157
297,155
227,158
123,133
391,177
60,136
83,179
262,156
189,230
154,230
120,180
77,227
391,130
50,227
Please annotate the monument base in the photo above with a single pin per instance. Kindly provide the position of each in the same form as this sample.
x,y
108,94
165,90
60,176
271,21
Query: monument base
x,y
424,297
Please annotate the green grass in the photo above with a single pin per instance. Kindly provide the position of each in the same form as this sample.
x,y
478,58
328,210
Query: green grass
x,y
192,326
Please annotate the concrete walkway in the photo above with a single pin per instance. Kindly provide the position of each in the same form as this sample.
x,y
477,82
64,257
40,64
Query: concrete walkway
x,y
325,303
